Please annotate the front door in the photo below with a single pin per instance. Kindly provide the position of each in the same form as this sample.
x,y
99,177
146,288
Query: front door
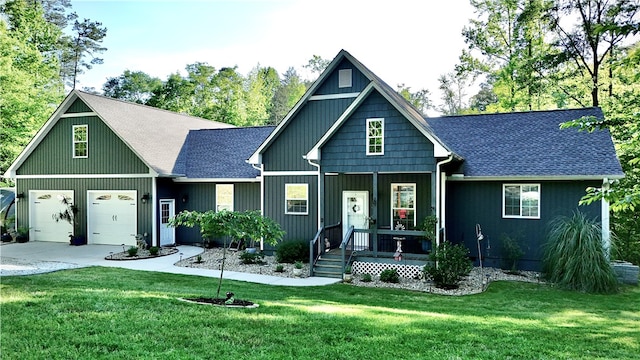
x,y
167,233
355,212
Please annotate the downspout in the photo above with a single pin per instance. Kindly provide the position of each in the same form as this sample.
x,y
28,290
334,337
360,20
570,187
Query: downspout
x,y
319,189
440,195
261,169
605,226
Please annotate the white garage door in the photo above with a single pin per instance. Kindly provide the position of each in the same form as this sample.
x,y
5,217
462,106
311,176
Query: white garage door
x,y
44,205
112,217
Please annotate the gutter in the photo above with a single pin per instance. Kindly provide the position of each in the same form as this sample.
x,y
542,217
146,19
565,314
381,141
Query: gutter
x,y
440,196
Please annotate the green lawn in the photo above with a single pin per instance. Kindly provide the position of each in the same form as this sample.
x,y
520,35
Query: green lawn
x,y
95,313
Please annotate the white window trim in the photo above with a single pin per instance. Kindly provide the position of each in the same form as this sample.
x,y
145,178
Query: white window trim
x,y
232,205
415,197
504,199
369,121
286,199
74,142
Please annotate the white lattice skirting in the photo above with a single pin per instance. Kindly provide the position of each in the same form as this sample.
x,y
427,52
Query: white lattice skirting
x,y
405,271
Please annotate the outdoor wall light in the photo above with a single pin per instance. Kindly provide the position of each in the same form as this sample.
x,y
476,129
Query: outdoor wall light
x,y
19,196
145,198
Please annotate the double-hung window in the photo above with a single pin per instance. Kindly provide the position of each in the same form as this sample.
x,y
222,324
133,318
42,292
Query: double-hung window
x,y
403,206
521,201
375,136
81,141
296,199
224,197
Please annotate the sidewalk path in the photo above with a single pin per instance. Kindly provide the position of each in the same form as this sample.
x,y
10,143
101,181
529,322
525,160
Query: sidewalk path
x,y
38,257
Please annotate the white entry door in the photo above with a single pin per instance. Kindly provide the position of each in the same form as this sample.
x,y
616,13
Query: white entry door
x,y
355,211
167,233
44,205
112,217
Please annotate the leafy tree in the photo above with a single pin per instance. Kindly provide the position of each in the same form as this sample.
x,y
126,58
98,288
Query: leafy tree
x,y
30,86
173,95
134,86
453,87
602,26
287,95
419,99
317,64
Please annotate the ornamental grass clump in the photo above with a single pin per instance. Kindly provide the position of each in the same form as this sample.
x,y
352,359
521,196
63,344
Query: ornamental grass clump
x,y
574,257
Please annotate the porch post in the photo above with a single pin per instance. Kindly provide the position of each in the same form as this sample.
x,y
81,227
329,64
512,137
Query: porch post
x,y
374,214
604,209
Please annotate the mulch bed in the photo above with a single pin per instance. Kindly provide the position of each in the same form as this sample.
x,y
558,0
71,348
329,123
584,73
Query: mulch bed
x,y
222,302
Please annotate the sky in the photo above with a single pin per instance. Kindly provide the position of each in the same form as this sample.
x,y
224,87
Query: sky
x,y
408,42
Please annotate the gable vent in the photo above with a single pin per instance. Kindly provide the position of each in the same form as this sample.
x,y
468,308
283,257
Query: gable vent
x,y
344,78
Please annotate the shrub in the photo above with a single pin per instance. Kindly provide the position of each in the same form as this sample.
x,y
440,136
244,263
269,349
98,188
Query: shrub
x,y
279,268
452,264
292,251
366,277
512,251
298,265
390,276
154,250
132,251
574,257
252,258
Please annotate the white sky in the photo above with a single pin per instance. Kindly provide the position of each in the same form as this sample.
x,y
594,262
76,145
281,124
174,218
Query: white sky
x,y
402,41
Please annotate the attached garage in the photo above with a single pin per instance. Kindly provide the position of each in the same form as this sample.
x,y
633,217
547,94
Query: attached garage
x,y
44,206
112,217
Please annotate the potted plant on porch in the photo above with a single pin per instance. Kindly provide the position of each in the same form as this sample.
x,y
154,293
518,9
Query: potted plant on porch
x,y
347,277
69,215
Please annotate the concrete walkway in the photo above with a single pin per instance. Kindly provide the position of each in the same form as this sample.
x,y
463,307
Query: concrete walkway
x,y
38,256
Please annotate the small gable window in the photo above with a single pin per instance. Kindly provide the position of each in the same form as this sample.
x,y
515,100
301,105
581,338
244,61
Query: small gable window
x,y
297,199
375,136
345,78
521,201
80,141
224,197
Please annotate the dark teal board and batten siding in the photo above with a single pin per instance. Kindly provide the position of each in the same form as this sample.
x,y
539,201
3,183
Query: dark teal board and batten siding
x,y
479,202
108,154
78,106
406,149
202,197
80,188
301,134
330,85
297,227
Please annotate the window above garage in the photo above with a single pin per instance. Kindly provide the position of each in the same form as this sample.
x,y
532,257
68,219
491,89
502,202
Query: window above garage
x,y
81,141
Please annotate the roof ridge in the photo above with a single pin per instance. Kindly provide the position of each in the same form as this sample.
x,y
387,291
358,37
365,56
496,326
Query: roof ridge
x,y
514,112
148,107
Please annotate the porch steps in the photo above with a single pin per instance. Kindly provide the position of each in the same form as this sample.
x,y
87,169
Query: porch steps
x,y
328,265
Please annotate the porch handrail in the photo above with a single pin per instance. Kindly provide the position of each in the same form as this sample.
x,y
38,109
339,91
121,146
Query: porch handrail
x,y
313,256
348,236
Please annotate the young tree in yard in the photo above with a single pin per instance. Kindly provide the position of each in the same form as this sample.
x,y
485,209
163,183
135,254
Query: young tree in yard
x,y
230,224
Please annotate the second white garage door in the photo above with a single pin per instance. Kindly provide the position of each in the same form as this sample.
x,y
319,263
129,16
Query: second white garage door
x,y
112,217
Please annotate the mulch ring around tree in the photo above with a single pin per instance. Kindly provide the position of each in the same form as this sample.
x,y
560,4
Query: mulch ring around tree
x,y
141,254
229,301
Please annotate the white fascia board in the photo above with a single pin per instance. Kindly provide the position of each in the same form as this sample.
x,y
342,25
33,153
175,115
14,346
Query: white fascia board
x,y
40,135
314,153
460,177
255,158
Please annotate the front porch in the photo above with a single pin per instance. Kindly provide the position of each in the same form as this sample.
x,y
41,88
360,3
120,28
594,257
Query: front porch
x,y
368,251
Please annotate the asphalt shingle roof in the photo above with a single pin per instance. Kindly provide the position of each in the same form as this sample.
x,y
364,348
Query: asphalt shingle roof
x,y
221,153
155,135
528,144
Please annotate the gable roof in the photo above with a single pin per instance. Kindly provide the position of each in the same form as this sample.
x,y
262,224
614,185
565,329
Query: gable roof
x,y
154,135
529,145
403,106
220,153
